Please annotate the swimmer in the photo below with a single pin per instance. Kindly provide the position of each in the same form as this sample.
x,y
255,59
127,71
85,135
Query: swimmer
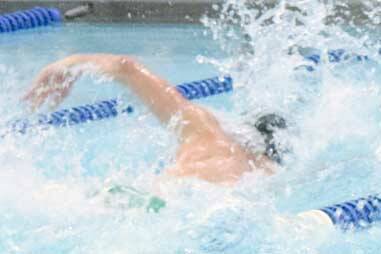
x,y
205,151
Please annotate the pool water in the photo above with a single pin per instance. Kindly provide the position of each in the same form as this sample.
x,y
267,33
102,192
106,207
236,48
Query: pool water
x,y
50,179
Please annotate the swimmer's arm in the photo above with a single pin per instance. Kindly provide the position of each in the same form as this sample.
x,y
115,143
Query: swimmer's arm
x,y
162,98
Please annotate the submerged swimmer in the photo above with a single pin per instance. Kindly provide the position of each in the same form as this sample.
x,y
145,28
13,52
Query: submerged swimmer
x,y
205,150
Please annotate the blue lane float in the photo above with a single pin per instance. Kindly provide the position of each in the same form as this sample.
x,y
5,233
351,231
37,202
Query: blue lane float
x,y
68,117
35,17
334,56
113,108
352,215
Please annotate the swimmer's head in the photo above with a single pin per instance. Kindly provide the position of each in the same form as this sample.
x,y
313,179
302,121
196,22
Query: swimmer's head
x,y
267,125
270,123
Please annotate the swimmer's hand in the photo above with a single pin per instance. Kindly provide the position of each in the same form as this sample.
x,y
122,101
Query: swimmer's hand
x,y
54,82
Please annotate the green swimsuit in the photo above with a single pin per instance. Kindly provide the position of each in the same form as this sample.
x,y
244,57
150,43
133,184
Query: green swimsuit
x,y
127,197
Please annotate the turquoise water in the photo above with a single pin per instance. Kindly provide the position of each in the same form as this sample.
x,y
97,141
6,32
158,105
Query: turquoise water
x,y
49,179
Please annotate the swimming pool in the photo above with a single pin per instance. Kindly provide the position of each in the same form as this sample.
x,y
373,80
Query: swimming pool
x,y
48,181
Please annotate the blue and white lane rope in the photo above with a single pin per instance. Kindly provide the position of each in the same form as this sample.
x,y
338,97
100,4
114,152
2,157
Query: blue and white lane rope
x,y
27,19
356,214
112,108
334,56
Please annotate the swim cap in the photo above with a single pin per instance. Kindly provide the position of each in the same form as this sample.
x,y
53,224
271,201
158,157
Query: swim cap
x,y
267,125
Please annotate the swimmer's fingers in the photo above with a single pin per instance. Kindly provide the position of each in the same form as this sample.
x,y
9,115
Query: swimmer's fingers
x,y
50,83
37,87
36,97
40,84
37,101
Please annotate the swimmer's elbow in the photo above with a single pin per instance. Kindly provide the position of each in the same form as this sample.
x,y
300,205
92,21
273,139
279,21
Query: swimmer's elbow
x,y
126,64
